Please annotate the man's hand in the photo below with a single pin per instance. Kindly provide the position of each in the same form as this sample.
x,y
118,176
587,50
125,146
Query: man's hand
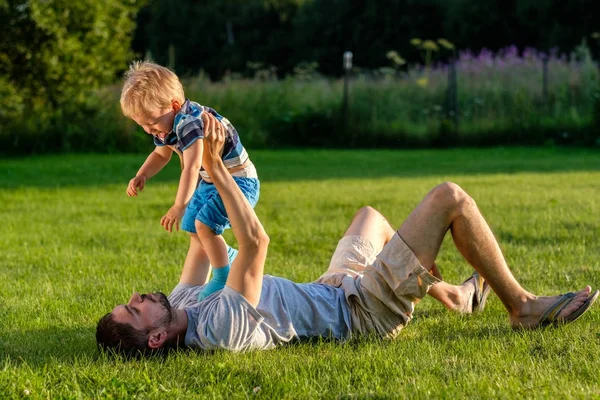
x,y
172,218
214,139
136,184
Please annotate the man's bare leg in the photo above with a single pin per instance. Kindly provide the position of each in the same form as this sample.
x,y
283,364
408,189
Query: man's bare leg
x,y
449,207
373,226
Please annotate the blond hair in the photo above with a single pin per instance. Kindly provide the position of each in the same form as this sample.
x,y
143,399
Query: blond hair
x,y
149,87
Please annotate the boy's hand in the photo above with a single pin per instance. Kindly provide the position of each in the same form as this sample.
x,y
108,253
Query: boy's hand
x,y
172,218
136,183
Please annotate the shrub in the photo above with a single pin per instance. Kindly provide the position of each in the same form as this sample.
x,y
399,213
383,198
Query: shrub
x,y
499,100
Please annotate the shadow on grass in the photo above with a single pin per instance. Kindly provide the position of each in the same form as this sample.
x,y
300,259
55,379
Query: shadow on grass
x,y
296,165
37,347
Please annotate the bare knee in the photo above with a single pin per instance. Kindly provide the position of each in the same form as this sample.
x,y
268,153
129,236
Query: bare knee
x,y
195,241
366,212
374,217
452,198
371,224
203,231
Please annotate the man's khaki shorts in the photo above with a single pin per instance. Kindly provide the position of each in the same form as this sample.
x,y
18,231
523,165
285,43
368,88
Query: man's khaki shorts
x,y
382,286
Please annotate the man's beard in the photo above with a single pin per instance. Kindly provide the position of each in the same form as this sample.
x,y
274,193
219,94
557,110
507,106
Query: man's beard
x,y
163,301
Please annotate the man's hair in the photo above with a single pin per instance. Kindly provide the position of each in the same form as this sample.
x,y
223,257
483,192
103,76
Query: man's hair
x,y
121,338
149,87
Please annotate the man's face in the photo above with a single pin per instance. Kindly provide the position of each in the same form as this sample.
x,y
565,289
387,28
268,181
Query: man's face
x,y
157,123
145,312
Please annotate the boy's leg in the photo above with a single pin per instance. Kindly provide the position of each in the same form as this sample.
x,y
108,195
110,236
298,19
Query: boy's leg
x,y
196,267
449,207
214,244
210,222
218,254
211,218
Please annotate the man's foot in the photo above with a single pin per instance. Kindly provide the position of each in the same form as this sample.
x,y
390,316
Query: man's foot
x,y
554,310
473,295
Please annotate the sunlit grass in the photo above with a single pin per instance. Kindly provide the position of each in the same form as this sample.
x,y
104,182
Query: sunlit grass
x,y
73,245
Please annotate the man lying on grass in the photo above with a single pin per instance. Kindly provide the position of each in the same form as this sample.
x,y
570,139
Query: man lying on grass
x,y
375,278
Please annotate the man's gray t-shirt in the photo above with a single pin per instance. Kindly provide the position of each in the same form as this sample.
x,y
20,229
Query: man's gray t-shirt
x,y
287,311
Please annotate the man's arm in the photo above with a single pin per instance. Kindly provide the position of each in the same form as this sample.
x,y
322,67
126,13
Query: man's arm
x,y
247,270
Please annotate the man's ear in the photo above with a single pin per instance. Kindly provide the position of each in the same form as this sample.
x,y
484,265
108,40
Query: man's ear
x,y
157,339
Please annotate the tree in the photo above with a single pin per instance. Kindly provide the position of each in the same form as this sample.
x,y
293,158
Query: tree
x,y
217,36
54,52
327,28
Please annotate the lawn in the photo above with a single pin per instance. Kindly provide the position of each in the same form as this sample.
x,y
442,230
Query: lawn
x,y
73,245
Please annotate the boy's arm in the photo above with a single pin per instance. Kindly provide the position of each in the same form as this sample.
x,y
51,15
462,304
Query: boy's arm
x,y
192,161
247,270
153,164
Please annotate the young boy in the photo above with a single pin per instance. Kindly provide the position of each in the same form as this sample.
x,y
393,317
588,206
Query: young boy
x,y
153,97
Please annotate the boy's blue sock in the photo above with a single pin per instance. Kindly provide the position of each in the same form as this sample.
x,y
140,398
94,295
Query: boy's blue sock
x,y
231,254
219,278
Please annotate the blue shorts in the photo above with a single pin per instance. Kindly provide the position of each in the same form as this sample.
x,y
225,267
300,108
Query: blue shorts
x,y
207,206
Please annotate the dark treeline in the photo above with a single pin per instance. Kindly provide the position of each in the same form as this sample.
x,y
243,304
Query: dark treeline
x,y
224,36
61,62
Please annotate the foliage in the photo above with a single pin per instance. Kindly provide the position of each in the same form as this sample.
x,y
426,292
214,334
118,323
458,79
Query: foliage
x,y
218,36
58,59
395,58
221,37
11,102
325,29
428,47
54,54
500,100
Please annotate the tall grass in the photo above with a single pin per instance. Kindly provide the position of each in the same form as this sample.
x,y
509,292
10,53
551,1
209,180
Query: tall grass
x,y
500,100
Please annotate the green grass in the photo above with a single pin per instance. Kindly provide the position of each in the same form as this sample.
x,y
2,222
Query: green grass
x,y
73,245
